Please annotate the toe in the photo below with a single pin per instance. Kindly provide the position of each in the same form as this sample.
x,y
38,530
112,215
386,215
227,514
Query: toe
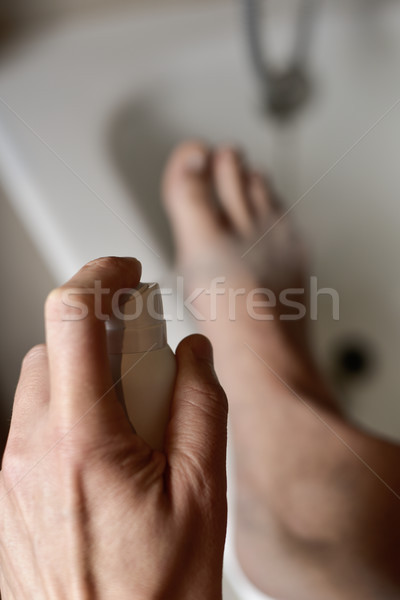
x,y
188,198
262,198
231,184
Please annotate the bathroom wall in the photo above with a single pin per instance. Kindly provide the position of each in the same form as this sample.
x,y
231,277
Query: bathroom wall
x,y
24,11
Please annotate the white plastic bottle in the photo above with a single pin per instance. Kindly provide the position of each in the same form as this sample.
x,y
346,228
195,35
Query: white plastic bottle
x,y
142,363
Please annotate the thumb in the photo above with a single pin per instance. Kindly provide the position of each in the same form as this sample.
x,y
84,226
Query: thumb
x,y
197,432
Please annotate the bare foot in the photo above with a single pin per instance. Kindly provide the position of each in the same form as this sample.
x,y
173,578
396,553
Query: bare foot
x,y
318,501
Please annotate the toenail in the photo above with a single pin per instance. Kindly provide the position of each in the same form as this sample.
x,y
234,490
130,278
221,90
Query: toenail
x,y
196,161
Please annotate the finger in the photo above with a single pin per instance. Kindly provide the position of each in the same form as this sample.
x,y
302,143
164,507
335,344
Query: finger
x,y
80,376
196,436
32,393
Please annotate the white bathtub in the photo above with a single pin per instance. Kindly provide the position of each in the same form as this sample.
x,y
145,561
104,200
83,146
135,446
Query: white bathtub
x,y
90,109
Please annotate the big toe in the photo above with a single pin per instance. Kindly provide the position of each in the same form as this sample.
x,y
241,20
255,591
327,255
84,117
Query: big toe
x,y
188,199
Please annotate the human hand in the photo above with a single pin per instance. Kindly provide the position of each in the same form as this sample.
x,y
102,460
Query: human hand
x,y
87,509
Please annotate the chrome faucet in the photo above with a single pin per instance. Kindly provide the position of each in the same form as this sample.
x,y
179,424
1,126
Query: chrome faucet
x,y
283,90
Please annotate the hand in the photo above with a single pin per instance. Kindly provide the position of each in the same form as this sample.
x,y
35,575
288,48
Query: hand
x,y
87,509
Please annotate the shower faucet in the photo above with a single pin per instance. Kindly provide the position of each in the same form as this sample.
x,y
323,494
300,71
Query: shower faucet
x,y
284,90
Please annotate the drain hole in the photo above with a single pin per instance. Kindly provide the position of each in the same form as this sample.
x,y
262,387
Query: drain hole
x,y
353,359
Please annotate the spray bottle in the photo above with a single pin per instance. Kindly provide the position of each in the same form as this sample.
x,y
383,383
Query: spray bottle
x,y
143,365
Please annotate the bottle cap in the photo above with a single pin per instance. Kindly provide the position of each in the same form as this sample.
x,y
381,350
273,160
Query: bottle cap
x,y
137,323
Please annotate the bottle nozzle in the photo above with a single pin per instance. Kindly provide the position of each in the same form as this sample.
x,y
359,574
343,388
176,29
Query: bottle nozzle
x,y
137,324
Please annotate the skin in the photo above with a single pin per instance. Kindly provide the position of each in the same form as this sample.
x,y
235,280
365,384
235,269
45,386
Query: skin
x,y
87,509
318,501
82,496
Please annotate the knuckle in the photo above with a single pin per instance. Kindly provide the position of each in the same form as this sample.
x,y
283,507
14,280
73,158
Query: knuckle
x,y
206,487
54,297
13,463
53,302
68,303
